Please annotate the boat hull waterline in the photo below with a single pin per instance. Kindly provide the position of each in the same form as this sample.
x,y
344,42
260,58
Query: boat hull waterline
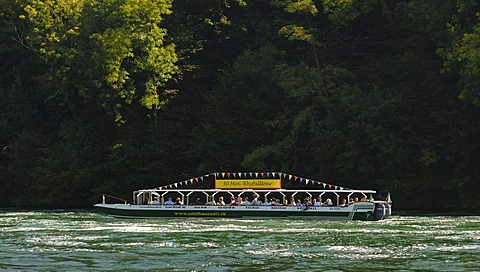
x,y
357,211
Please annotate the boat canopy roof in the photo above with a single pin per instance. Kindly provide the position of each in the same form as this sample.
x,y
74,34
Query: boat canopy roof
x,y
256,181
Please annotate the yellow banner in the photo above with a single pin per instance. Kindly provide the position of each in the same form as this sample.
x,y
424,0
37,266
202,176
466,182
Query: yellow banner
x,y
248,184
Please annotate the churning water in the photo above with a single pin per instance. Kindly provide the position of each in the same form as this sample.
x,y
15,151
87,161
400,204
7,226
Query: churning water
x,y
79,241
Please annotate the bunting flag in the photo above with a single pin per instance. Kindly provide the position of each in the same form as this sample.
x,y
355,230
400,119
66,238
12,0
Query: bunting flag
x,y
280,175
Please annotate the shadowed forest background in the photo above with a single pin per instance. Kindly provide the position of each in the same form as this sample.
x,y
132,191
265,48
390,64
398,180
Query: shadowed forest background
x,y
115,95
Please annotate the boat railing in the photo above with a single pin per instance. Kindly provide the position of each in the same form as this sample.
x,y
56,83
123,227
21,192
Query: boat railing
x,y
105,196
145,195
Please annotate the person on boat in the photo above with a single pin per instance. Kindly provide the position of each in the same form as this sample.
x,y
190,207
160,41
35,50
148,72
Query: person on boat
x,y
267,202
307,201
233,201
169,201
299,202
327,202
316,203
255,200
292,201
210,201
220,201
246,202
155,201
178,201
343,203
198,201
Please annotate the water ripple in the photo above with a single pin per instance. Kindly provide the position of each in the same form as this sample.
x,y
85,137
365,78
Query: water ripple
x,y
66,241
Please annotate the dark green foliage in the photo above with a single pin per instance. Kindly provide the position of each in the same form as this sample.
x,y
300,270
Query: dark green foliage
x,y
363,94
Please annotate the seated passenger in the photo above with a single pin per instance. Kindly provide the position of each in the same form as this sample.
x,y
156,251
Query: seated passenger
x,y
210,201
343,203
233,201
292,201
198,201
299,202
316,203
255,200
178,201
327,202
155,201
169,201
220,201
276,202
246,202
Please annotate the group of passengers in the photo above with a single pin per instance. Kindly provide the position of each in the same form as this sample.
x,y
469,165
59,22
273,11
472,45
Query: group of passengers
x,y
239,201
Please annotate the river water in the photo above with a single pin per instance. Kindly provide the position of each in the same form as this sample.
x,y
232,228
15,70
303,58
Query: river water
x,y
80,241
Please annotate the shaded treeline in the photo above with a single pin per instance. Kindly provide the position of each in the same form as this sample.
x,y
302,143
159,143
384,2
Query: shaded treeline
x,y
115,95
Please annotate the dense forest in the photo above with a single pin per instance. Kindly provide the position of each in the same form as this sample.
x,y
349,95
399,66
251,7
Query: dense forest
x,y
115,95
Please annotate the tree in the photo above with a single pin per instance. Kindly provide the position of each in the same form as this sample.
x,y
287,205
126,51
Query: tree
x,y
112,51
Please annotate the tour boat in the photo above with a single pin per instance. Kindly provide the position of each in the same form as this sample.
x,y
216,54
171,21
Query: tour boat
x,y
251,195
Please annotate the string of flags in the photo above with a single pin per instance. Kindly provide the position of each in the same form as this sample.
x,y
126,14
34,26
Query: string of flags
x,y
264,175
